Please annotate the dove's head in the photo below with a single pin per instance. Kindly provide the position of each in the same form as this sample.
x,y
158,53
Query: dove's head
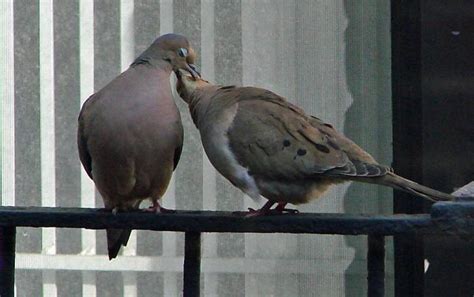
x,y
187,85
175,50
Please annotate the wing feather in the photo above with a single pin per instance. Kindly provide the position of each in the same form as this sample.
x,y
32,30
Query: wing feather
x,y
285,143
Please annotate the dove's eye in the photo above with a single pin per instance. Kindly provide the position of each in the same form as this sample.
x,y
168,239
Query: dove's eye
x,y
182,52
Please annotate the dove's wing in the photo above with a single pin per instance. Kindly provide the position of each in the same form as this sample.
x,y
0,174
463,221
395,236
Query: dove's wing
x,y
277,140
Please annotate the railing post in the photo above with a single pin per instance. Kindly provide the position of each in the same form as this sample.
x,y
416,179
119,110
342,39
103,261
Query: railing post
x,y
192,264
7,261
376,266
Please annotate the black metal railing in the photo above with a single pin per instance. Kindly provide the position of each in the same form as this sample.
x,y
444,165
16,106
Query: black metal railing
x,y
445,218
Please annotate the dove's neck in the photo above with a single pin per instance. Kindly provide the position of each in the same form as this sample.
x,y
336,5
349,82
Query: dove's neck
x,y
153,58
199,102
154,63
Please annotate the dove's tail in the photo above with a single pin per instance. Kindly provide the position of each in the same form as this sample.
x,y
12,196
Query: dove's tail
x,y
400,183
115,239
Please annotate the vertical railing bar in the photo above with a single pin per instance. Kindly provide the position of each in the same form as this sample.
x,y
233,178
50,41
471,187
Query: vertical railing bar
x,y
47,128
89,288
192,264
7,105
127,45
7,261
170,280
209,173
130,284
127,54
86,73
169,243
376,266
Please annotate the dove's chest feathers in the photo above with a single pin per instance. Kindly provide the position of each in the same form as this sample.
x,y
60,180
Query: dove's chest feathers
x,y
213,123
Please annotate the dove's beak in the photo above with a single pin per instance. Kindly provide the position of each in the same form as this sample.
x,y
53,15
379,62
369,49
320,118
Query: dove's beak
x,y
192,69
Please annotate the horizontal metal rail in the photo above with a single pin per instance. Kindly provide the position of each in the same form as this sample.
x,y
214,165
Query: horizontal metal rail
x,y
207,221
445,218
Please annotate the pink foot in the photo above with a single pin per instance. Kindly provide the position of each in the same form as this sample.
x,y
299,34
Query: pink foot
x,y
280,208
157,208
265,210
256,213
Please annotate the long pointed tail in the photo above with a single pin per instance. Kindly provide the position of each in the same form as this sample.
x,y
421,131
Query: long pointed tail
x,y
115,239
400,183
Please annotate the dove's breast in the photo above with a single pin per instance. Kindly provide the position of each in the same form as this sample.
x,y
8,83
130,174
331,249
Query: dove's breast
x,y
213,130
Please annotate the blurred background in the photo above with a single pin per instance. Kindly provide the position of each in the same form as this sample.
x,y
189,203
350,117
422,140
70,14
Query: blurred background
x,y
331,57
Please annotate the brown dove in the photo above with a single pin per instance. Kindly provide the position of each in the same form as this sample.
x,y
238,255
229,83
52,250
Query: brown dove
x,y
130,134
266,146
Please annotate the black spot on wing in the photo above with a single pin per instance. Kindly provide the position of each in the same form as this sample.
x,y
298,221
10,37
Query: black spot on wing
x,y
227,87
286,143
322,148
328,125
301,152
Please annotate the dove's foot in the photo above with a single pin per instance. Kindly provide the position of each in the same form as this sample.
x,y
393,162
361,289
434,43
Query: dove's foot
x,y
157,208
166,210
280,208
256,212
266,210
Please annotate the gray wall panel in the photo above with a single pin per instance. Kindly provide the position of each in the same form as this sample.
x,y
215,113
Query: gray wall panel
x,y
188,174
228,71
66,92
187,21
66,75
27,137
147,23
106,41
109,284
27,112
150,284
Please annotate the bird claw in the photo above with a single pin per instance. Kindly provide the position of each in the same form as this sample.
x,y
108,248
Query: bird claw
x,y
281,208
250,213
288,210
150,209
167,210
265,212
256,212
158,209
